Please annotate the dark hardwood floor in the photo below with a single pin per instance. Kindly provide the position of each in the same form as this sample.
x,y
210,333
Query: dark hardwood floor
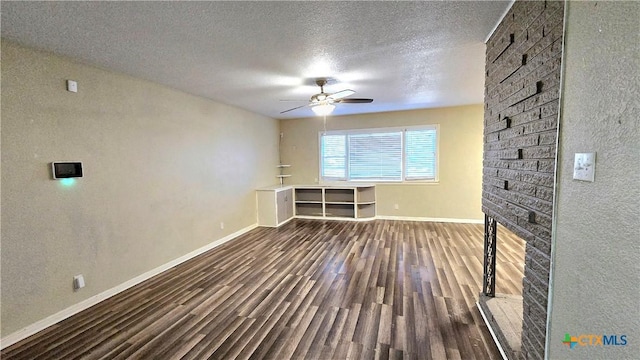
x,y
309,290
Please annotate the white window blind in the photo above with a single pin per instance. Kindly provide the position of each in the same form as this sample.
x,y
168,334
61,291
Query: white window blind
x,y
420,154
333,159
375,156
380,154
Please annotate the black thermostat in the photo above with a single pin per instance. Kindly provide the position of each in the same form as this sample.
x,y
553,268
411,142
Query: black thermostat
x,y
63,170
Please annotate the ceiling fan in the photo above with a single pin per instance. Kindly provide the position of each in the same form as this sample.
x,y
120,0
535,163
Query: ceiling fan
x,y
323,103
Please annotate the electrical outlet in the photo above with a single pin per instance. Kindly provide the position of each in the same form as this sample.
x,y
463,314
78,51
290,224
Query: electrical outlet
x,y
72,86
221,225
78,282
396,206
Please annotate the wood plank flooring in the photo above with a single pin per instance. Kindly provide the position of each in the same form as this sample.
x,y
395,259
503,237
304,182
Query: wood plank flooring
x,y
310,289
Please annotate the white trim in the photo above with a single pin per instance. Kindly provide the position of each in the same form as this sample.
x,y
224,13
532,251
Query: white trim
x,y
411,182
554,215
85,304
398,218
499,21
278,225
333,218
493,335
445,220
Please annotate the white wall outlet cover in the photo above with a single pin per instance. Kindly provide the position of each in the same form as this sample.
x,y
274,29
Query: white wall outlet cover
x,y
72,86
584,167
78,282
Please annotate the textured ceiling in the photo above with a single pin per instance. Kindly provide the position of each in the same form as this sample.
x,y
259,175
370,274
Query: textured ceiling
x,y
404,55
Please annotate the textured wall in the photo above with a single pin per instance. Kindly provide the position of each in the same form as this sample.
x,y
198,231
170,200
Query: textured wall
x,y
520,126
456,195
162,170
596,262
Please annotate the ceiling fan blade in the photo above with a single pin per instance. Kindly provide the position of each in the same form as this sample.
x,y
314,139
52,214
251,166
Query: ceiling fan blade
x,y
295,108
354,101
341,94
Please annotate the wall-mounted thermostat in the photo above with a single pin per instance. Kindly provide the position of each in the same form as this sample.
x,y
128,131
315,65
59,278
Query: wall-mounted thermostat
x,y
66,169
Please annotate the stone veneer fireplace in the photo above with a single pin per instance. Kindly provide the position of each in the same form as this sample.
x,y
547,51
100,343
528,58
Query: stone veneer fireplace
x,y
522,87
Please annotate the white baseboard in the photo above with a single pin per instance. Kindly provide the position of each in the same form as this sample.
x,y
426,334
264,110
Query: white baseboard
x,y
493,334
445,220
87,303
333,218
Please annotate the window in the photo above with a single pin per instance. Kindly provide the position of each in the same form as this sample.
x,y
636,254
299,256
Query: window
x,y
379,154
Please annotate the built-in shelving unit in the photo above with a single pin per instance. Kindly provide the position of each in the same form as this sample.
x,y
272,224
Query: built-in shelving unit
x,y
340,202
308,201
279,204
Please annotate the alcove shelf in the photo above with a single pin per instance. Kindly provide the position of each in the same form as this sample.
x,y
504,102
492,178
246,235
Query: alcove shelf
x,y
282,175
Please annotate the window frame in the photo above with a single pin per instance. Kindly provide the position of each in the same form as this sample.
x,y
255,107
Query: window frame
x,y
403,130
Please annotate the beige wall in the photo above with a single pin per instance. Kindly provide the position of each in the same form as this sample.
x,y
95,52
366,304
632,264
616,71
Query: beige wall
x,y
162,170
457,195
595,273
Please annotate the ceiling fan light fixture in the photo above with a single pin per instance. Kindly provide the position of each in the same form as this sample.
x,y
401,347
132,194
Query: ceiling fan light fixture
x,y
322,104
323,109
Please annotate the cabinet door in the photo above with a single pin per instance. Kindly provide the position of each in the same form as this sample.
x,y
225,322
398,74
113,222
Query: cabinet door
x,y
289,203
284,204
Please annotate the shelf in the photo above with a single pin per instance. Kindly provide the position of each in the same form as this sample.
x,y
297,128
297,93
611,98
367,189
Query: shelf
x,y
339,195
282,175
366,210
339,210
366,194
308,202
314,195
339,202
309,209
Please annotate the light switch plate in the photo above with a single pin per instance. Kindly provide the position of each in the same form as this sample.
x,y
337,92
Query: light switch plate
x,y
584,167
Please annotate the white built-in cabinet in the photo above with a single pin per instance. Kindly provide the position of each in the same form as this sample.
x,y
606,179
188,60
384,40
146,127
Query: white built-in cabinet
x,y
275,205
278,204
